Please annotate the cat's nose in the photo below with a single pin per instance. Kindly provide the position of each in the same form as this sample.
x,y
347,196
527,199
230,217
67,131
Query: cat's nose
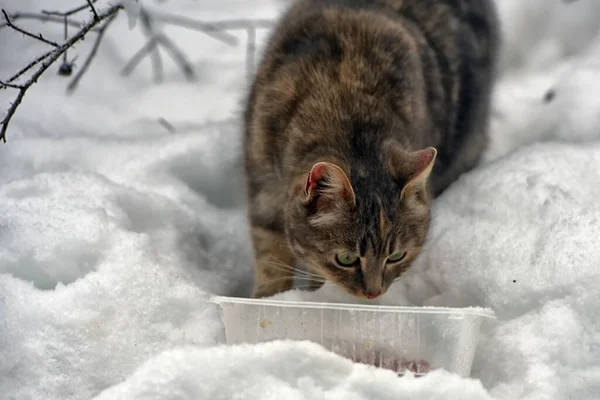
x,y
372,294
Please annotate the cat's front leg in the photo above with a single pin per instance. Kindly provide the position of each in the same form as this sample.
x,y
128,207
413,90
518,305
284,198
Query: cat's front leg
x,y
273,269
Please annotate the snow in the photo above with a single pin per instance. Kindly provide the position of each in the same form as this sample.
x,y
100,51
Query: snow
x,y
311,373
115,231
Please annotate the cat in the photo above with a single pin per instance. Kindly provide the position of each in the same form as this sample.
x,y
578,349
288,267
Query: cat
x,y
360,113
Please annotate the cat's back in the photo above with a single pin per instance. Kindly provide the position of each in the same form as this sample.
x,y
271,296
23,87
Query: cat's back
x,y
428,61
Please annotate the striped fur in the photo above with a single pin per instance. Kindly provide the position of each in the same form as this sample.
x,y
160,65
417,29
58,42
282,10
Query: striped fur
x,y
363,85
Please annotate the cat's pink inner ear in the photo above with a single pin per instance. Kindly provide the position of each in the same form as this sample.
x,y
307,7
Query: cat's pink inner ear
x,y
330,180
316,174
423,161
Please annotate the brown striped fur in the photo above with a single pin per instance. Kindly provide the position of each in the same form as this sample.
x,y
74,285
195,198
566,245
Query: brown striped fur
x,y
360,113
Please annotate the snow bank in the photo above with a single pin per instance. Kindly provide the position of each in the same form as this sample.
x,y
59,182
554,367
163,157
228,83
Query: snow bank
x,y
280,370
115,230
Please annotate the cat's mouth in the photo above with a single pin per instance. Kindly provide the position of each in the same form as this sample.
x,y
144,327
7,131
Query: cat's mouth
x,y
364,293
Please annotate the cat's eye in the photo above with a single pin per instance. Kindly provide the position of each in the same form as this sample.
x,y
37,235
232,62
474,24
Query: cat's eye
x,y
346,259
396,257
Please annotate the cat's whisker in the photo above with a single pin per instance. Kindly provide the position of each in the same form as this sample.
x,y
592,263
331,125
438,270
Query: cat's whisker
x,y
298,270
282,279
293,271
304,287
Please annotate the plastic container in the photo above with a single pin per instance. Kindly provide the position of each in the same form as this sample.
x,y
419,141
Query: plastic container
x,y
384,336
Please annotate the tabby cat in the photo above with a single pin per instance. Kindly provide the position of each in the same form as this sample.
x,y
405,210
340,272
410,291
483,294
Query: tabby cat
x,y
360,113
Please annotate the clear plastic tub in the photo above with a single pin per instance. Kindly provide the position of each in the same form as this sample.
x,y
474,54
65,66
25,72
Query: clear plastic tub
x,y
398,338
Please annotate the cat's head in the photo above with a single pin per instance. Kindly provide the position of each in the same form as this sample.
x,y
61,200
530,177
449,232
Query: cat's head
x,y
362,231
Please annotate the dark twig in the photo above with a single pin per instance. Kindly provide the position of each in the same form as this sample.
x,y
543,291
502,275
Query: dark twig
x,y
4,85
43,18
31,65
91,4
24,32
66,31
74,10
71,87
47,62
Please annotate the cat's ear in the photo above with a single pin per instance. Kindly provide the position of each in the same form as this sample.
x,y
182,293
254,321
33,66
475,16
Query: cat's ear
x,y
419,166
329,184
412,167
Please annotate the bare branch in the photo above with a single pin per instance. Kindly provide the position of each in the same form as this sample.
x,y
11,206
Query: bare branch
x,y
157,65
41,17
31,65
178,57
151,48
207,28
156,39
66,35
4,85
148,29
24,32
88,60
48,61
138,56
91,4
74,10
152,45
233,24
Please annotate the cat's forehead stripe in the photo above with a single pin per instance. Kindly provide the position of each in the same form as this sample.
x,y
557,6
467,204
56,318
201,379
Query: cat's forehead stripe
x,y
376,223
382,223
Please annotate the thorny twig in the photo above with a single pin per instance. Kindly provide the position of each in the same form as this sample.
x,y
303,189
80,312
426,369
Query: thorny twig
x,y
24,32
48,60
42,18
30,65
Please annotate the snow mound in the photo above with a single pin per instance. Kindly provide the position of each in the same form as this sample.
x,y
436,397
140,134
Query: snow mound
x,y
280,370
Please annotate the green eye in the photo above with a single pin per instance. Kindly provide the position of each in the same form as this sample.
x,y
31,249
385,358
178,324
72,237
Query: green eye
x,y
346,259
396,257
